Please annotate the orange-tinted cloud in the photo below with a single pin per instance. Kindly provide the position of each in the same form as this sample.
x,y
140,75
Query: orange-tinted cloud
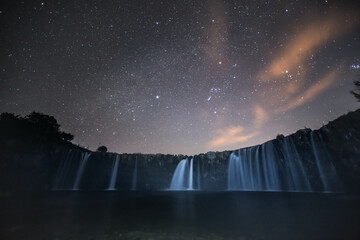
x,y
313,91
234,134
304,44
261,116
229,136
290,66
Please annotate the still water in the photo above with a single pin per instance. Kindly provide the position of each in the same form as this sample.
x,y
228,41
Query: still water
x,y
179,215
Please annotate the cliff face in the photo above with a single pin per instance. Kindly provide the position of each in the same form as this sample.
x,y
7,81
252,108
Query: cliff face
x,y
343,140
321,160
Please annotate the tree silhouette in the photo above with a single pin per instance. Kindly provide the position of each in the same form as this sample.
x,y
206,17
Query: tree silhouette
x,y
67,136
35,126
45,123
356,92
102,149
11,124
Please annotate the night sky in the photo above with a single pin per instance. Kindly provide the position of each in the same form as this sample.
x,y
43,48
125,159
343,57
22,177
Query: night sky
x,y
179,76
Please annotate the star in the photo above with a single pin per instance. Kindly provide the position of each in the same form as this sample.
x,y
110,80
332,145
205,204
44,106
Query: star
x,y
138,68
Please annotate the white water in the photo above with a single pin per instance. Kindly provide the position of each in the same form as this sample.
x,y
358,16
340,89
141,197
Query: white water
x,y
281,168
62,172
191,175
297,174
84,158
324,164
198,175
115,170
183,178
248,170
288,165
178,179
134,180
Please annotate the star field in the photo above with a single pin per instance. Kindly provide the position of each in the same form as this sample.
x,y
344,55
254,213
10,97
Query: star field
x,y
179,76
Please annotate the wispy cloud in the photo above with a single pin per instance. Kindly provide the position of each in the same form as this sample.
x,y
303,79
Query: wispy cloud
x,y
285,77
235,134
261,116
305,42
229,136
312,92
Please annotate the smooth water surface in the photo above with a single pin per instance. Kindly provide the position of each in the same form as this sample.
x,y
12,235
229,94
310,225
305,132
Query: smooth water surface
x,y
179,215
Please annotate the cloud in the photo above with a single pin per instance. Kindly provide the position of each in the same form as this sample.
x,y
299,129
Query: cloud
x,y
229,136
312,92
285,77
303,45
261,116
233,134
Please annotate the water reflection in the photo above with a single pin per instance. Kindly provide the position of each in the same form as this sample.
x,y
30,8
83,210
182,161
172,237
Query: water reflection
x,y
179,215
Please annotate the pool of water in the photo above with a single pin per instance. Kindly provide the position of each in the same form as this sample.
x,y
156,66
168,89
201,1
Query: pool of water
x,y
179,215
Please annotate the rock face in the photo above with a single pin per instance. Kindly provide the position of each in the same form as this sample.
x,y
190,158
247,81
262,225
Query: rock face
x,y
327,159
343,140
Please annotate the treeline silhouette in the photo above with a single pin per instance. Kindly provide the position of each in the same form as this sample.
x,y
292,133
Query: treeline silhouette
x,y
36,127
356,92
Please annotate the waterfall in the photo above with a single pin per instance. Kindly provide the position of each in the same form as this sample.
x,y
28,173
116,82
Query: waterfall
x,y
84,158
265,164
299,162
297,174
258,181
178,179
272,167
191,175
62,171
234,181
133,185
253,170
198,175
250,164
279,166
183,176
112,182
327,171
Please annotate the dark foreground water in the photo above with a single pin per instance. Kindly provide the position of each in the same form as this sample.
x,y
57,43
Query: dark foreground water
x,y
179,215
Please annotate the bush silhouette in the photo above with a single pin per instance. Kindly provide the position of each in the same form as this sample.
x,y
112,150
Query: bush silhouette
x,y
356,92
35,126
102,149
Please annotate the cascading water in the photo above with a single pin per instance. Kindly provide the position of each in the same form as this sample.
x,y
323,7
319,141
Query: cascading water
x,y
252,171
258,180
296,173
198,175
178,179
327,171
234,178
134,180
62,171
299,162
84,158
272,168
191,175
280,167
112,182
183,176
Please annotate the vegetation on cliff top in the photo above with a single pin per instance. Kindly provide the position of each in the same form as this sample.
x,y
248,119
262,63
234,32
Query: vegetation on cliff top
x,y
356,92
32,130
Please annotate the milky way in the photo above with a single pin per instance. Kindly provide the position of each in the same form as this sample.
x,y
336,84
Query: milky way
x,y
179,76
